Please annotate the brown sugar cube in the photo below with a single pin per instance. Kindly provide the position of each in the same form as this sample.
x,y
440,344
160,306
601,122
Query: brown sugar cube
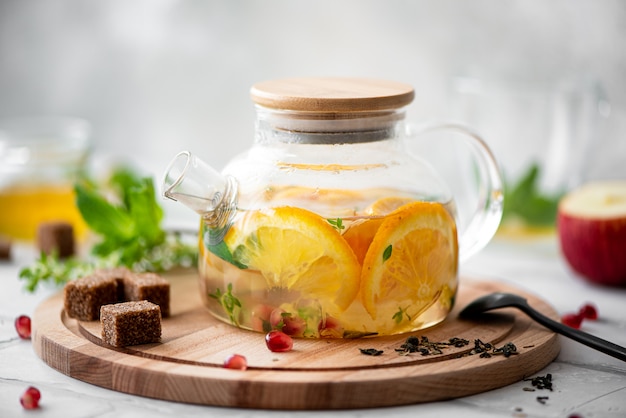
x,y
5,248
56,236
117,273
148,286
85,296
130,323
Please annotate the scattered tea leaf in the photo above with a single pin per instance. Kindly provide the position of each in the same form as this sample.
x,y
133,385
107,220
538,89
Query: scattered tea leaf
x,y
507,349
541,382
425,347
371,351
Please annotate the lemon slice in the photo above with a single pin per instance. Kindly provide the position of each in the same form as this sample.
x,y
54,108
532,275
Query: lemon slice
x,y
297,250
412,259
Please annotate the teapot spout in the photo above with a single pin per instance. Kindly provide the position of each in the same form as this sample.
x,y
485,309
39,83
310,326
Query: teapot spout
x,y
194,183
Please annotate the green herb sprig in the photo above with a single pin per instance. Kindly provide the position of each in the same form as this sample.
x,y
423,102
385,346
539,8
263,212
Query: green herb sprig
x,y
525,201
49,268
229,302
125,215
337,223
400,314
387,253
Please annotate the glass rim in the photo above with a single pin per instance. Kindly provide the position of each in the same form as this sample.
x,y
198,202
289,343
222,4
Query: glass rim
x,y
44,139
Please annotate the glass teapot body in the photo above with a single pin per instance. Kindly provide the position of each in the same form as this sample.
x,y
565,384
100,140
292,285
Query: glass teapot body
x,y
327,227
334,179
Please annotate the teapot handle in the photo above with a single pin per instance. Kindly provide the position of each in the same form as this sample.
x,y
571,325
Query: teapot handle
x,y
485,218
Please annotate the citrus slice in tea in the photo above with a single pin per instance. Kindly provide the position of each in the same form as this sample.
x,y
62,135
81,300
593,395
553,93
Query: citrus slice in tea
x,y
360,233
411,262
386,205
299,251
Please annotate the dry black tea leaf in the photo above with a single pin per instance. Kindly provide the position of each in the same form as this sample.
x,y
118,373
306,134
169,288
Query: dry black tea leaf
x,y
371,351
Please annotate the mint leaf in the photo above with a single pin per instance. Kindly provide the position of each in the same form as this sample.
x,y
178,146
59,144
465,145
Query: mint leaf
x,y
220,248
525,200
102,216
122,180
124,212
129,229
145,212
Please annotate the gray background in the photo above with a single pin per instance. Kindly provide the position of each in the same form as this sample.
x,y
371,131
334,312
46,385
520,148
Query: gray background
x,y
158,76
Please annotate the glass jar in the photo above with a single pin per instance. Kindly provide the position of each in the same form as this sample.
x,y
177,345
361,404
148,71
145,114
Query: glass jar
x,y
40,158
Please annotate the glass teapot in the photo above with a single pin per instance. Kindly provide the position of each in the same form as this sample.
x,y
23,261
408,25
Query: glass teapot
x,y
328,227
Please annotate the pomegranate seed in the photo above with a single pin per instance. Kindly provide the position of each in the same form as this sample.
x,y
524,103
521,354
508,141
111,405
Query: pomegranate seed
x,y
22,326
30,398
572,320
236,361
260,320
330,328
288,323
276,318
294,326
278,341
588,311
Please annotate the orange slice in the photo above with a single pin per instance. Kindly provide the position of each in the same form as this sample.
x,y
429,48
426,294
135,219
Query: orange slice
x,y
412,259
360,234
298,251
386,205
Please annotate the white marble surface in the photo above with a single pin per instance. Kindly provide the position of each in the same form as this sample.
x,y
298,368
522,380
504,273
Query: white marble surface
x,y
586,382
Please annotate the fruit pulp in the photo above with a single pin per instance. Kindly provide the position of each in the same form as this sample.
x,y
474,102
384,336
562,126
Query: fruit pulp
x,y
383,268
24,207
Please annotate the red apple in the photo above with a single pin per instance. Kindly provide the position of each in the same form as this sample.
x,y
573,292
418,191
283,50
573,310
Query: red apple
x,y
591,224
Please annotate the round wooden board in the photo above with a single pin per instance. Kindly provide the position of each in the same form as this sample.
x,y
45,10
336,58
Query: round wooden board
x,y
317,374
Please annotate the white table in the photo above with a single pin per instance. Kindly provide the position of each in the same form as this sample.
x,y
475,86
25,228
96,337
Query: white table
x,y
588,383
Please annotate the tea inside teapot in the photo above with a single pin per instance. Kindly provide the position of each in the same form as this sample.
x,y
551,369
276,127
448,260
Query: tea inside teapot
x,y
327,226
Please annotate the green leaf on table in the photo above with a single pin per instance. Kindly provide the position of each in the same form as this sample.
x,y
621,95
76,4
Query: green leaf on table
x,y
525,200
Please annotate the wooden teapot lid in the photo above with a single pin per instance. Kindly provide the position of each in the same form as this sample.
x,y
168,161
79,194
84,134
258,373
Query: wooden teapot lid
x,y
332,94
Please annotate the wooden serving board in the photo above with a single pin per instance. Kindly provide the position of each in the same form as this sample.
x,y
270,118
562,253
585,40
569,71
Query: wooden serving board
x,y
186,366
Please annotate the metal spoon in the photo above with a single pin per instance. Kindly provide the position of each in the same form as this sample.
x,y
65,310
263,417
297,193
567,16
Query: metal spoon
x,y
508,300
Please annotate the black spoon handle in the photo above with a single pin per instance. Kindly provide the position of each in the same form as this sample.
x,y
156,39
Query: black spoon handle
x,y
589,340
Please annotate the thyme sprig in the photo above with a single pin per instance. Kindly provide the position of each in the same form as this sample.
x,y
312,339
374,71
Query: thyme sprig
x,y
50,268
229,302
387,253
399,316
337,223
